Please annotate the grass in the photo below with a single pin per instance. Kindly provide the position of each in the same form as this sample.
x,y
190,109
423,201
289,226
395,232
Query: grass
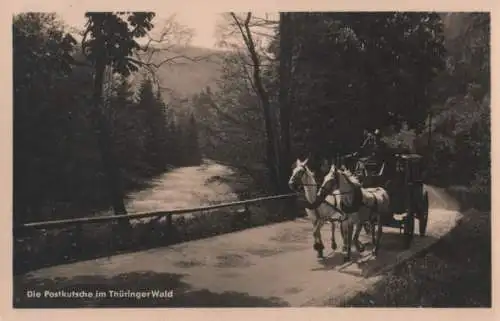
x,y
455,272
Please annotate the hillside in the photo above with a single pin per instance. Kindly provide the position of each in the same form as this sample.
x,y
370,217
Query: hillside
x,y
185,77
225,141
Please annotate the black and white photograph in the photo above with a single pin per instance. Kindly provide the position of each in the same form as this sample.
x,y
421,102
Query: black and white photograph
x,y
251,159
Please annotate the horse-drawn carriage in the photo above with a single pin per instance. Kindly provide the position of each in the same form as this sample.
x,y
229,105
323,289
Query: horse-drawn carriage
x,y
402,176
367,193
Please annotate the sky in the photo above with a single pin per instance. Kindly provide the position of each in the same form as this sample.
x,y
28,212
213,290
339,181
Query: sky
x,y
200,15
203,22
204,28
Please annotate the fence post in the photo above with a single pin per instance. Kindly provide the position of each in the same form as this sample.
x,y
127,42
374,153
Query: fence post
x,y
247,215
242,216
169,228
76,239
169,222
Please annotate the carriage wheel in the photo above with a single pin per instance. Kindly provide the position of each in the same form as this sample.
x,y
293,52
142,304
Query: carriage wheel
x,y
409,226
423,216
367,226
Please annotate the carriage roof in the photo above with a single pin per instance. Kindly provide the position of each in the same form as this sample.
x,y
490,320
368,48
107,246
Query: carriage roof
x,y
409,156
412,170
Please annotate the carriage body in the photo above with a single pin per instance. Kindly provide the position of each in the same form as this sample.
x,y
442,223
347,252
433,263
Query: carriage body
x,y
402,177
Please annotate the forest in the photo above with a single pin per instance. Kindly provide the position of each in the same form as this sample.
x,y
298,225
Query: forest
x,y
320,79
87,131
62,163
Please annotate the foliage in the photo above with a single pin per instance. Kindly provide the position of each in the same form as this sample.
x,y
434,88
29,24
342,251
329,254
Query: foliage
x,y
231,122
361,71
356,71
461,130
111,37
231,118
58,171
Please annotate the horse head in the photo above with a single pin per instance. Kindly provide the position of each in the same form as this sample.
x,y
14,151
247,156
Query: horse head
x,y
349,181
299,169
331,180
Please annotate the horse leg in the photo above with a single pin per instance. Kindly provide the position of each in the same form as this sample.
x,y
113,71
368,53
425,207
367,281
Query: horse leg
x,y
359,247
334,244
349,235
343,227
373,224
379,234
318,242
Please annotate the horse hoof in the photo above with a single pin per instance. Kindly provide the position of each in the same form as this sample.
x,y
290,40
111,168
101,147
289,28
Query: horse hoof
x,y
318,247
334,246
374,253
320,255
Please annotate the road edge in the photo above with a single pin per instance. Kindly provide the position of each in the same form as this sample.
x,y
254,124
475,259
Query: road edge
x,y
370,283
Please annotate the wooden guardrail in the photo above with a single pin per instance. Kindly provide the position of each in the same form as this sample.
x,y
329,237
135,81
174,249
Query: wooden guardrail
x,y
127,217
74,246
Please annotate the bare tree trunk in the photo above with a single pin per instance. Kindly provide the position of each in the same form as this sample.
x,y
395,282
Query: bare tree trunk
x,y
271,142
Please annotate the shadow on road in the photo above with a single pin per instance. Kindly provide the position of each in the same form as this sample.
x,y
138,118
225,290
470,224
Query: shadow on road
x,y
364,264
183,294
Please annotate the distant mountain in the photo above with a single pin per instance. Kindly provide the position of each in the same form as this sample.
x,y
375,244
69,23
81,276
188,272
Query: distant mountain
x,y
191,70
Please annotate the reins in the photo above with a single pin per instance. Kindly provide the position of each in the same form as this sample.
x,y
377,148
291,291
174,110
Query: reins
x,y
333,193
357,200
335,207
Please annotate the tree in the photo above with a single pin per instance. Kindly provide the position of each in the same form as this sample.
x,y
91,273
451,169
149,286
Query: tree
x,y
109,40
272,142
192,150
127,130
154,116
361,71
243,25
231,123
59,171
41,62
461,135
285,69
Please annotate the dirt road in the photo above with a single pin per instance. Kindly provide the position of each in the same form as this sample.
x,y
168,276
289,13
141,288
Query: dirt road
x,y
272,265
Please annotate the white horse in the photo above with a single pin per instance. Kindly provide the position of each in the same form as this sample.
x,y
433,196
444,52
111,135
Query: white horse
x,y
361,205
326,211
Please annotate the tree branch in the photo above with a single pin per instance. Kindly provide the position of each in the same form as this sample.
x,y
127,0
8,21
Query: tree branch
x,y
230,118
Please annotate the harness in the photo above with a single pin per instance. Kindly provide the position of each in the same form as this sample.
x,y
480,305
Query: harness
x,y
375,204
343,208
336,208
357,200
